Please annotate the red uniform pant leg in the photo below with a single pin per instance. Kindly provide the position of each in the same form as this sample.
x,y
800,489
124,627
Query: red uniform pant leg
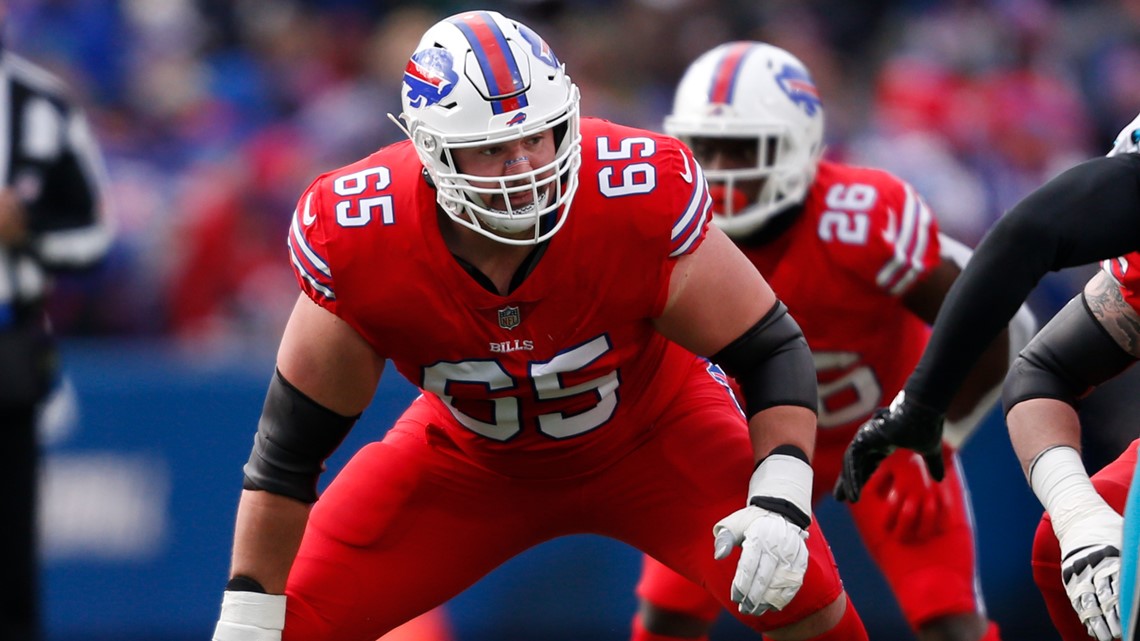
x,y
849,628
933,577
381,545
668,590
1112,483
694,472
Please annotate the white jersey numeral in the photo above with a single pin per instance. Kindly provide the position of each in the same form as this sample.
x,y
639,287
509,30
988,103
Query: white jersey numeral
x,y
846,219
636,178
852,396
354,212
546,378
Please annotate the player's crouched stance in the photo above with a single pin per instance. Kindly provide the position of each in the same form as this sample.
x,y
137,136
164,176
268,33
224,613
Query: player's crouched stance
x,y
547,409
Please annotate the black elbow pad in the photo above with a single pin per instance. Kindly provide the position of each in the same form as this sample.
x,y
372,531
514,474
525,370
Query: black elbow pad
x,y
1070,356
294,437
772,364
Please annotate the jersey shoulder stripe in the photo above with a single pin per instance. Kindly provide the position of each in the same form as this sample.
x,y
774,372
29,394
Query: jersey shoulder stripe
x,y
688,227
873,226
910,248
643,183
311,268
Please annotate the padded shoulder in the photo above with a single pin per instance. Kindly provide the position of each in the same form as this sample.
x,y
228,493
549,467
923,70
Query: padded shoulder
x,y
648,184
875,225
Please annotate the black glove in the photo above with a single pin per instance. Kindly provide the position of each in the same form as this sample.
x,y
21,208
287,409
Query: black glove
x,y
906,424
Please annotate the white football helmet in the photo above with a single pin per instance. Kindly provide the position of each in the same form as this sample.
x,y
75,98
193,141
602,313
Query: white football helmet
x,y
752,90
479,78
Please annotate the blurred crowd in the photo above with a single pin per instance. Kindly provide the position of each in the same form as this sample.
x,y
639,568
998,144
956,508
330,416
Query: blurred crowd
x,y
214,115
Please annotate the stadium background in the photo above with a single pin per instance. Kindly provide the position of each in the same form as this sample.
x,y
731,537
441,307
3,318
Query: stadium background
x,y
215,114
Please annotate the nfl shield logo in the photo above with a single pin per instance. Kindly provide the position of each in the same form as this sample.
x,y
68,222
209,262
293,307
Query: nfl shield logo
x,y
509,317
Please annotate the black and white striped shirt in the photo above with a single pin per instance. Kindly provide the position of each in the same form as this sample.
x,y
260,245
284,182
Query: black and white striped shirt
x,y
49,157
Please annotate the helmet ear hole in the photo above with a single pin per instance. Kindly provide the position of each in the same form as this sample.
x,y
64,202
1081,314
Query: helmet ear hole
x,y
560,131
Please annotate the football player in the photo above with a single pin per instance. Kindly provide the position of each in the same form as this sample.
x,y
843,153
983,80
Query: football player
x,y
548,281
856,255
1085,214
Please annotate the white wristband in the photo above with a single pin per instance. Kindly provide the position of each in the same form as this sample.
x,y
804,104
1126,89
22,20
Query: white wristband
x,y
250,616
1059,480
783,477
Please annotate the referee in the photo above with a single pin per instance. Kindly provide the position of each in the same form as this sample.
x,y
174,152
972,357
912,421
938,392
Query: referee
x,y
51,220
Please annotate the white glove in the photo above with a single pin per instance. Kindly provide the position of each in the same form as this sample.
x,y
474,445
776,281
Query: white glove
x,y
250,616
1091,576
1090,533
774,557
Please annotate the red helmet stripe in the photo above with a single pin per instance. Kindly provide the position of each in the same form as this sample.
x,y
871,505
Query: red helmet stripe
x,y
724,79
492,52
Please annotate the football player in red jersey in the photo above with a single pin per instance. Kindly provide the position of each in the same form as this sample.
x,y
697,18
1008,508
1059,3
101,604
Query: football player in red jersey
x,y
548,281
856,255
1091,340
1086,213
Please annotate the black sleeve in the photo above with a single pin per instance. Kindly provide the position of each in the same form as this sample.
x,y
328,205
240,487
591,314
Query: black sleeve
x,y
65,207
1067,359
68,198
1089,213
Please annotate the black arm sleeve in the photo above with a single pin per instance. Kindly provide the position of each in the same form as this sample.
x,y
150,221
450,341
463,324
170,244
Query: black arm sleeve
x,y
1090,212
1070,356
294,437
772,364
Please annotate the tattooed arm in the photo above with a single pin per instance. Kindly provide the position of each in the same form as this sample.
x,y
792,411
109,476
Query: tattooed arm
x,y
1115,315
1091,340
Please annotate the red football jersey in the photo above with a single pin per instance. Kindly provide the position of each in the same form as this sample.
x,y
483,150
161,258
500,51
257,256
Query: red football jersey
x,y
540,378
1126,272
864,239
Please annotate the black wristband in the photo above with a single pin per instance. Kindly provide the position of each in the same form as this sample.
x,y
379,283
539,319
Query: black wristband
x,y
787,449
242,583
784,508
